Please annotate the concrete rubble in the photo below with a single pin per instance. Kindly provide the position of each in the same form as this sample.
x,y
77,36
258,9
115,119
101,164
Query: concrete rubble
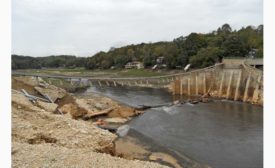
x,y
50,107
52,91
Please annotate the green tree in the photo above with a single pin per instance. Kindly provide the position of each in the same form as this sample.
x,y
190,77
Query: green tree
x,y
234,47
206,57
148,61
226,28
193,43
259,53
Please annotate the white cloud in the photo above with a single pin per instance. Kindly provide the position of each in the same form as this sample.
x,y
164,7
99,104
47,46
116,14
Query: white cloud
x,y
84,27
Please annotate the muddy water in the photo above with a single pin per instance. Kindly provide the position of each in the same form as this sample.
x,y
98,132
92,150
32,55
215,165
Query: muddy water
x,y
221,134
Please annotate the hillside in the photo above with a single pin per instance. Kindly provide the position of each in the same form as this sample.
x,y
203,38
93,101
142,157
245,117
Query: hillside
x,y
200,50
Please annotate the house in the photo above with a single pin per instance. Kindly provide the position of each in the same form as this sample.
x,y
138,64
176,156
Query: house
x,y
160,63
134,64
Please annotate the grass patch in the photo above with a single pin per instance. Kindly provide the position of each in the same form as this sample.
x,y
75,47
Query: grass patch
x,y
139,73
98,72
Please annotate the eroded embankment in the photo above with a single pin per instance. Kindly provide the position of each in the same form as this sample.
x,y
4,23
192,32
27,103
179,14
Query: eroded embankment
x,y
54,134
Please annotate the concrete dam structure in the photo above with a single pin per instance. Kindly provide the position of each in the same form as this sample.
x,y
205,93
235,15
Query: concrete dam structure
x,y
238,82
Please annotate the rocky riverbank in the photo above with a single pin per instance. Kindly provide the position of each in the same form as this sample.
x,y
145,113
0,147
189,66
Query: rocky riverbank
x,y
55,133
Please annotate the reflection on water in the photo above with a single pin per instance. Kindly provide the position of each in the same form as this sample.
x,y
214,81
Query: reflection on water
x,y
222,134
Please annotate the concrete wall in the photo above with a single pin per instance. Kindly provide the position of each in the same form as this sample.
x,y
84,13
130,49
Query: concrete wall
x,y
248,61
222,82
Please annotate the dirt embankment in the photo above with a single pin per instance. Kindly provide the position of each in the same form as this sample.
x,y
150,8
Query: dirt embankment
x,y
42,137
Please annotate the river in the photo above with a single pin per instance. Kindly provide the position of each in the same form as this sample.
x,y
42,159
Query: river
x,y
221,133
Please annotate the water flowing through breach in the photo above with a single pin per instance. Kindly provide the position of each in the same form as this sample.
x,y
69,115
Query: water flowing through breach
x,y
221,134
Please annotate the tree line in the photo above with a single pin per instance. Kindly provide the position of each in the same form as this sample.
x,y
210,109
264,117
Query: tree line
x,y
200,50
60,61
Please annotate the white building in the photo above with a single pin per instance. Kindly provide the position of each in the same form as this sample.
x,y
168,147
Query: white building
x,y
134,64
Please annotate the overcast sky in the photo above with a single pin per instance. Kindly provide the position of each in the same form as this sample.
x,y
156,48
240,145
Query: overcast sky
x,y
84,27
